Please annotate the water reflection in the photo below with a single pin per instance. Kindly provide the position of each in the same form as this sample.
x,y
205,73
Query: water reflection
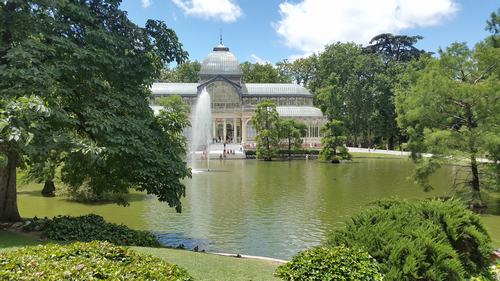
x,y
271,209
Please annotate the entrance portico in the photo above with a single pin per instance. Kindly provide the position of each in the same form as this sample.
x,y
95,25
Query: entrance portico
x,y
227,128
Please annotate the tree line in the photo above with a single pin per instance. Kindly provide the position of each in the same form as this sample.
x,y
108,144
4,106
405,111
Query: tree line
x,y
392,94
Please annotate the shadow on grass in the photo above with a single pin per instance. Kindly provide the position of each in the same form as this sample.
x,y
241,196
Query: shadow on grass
x,y
129,197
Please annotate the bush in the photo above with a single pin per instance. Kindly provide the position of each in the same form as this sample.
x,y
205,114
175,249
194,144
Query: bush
x,y
323,264
422,240
284,152
85,261
89,228
85,194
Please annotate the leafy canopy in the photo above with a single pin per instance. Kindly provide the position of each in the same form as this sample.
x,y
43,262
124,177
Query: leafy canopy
x,y
74,84
266,123
451,108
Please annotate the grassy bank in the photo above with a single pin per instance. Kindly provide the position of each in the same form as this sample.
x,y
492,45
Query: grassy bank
x,y
375,155
200,265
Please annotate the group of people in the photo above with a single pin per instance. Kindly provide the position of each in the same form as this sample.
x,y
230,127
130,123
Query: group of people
x,y
219,140
225,152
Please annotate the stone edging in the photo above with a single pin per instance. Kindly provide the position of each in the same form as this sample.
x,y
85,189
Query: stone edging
x,y
249,257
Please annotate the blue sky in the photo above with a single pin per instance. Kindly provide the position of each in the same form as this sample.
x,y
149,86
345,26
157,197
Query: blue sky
x,y
272,30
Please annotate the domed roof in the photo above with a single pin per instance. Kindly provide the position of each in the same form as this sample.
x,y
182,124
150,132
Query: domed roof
x,y
221,61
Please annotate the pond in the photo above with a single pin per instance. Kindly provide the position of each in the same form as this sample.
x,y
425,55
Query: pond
x,y
272,209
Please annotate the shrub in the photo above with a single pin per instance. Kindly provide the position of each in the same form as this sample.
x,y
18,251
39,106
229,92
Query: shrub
x,y
89,228
283,152
85,194
323,264
422,240
85,261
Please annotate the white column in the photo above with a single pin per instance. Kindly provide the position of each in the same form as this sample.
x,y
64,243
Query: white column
x,y
234,130
243,131
214,127
309,130
225,130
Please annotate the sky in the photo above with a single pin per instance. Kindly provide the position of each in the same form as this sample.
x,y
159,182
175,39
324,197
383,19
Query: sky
x,y
273,30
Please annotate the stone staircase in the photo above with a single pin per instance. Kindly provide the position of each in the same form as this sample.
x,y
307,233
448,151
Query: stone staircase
x,y
217,149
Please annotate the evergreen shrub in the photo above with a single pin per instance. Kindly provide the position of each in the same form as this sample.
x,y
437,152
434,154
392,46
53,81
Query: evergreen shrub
x,y
420,240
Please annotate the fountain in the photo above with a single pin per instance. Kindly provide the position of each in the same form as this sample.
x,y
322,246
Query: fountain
x,y
201,133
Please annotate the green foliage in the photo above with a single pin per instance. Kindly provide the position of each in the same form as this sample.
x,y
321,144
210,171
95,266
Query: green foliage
x,y
262,73
186,72
421,240
395,47
301,71
85,194
86,261
266,122
348,86
173,119
449,107
89,228
324,264
291,133
74,83
285,152
333,142
493,26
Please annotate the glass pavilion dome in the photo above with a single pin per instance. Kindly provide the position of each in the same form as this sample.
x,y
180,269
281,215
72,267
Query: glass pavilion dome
x,y
221,62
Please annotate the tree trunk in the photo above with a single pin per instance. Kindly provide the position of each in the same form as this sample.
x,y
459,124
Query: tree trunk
x,y
8,195
49,189
476,195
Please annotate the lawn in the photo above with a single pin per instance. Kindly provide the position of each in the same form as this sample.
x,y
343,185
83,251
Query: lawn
x,y
10,241
375,155
201,266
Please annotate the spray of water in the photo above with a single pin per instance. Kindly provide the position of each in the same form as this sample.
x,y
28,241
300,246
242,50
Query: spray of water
x,y
201,134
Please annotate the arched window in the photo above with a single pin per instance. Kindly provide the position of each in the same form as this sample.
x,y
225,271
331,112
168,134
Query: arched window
x,y
224,96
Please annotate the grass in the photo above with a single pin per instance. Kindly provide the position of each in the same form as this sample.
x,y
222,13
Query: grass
x,y
11,241
212,267
375,155
200,265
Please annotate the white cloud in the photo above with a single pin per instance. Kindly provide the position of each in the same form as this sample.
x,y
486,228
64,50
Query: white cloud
x,y
145,3
311,24
223,10
259,60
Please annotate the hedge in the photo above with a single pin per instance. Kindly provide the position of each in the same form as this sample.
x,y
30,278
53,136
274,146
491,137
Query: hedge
x,y
86,261
89,228
324,264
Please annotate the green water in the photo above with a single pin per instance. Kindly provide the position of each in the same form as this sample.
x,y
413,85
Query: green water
x,y
270,209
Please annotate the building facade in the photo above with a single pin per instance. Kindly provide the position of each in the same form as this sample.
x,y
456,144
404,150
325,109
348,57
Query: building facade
x,y
233,101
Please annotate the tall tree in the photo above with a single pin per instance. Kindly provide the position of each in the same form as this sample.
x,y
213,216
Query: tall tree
x,y
301,70
396,51
186,72
262,73
266,122
493,26
452,109
74,85
333,142
291,132
395,47
346,89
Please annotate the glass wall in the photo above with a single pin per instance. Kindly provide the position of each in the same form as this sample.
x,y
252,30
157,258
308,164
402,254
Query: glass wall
x,y
224,97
